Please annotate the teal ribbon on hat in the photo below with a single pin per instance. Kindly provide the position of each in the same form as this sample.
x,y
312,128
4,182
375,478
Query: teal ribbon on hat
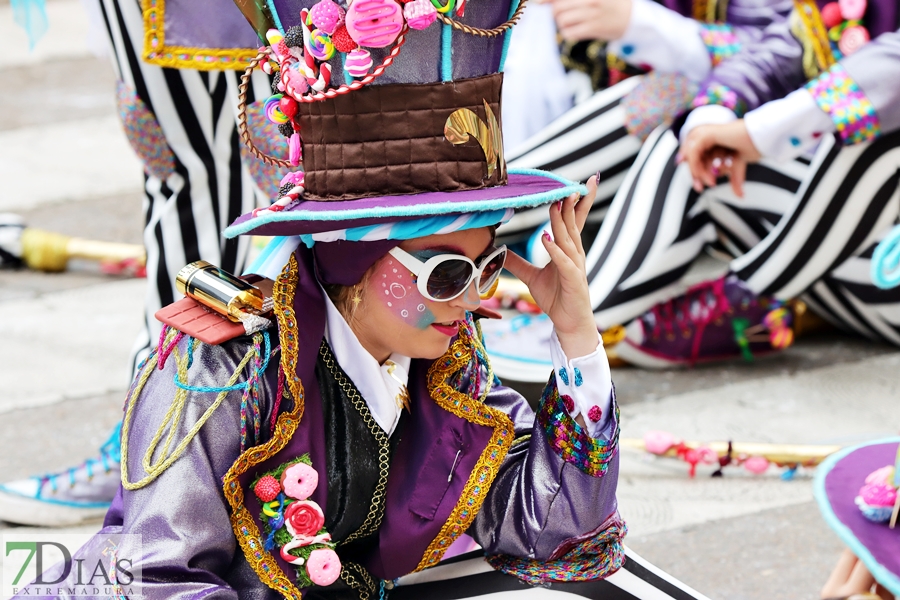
x,y
31,15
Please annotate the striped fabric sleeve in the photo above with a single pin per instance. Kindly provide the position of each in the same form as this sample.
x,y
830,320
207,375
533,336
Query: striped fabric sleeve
x,y
853,114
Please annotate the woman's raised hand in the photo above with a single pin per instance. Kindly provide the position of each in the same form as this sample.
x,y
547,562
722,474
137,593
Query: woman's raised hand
x,y
711,151
579,20
560,289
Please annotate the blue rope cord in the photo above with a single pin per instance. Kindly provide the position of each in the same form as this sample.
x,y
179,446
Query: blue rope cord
x,y
230,388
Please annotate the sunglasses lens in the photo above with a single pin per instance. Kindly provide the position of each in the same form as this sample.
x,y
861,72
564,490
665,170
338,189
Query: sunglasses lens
x,y
491,272
448,279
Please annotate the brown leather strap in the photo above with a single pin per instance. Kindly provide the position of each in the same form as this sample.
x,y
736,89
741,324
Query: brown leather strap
x,y
389,140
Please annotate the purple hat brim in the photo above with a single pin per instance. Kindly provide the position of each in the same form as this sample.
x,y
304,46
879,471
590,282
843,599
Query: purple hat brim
x,y
526,188
837,483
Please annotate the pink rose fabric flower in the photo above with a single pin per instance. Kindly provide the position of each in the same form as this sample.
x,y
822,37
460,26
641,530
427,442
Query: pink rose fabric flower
x,y
304,519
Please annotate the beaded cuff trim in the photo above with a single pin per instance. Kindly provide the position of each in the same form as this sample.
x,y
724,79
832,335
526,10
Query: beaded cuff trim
x,y
597,557
245,528
460,355
571,441
722,95
184,57
853,114
720,40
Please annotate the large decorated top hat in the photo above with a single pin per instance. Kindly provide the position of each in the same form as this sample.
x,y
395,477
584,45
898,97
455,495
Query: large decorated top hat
x,y
857,490
393,114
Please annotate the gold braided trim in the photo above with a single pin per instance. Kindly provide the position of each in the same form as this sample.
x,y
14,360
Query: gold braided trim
x,y
245,528
365,588
459,355
185,57
376,508
807,26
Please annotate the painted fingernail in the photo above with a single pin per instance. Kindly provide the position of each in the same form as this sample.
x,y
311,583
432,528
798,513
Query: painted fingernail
x,y
597,176
559,206
715,171
716,163
547,237
728,161
679,159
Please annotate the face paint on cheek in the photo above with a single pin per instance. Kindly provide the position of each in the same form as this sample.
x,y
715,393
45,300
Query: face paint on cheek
x,y
397,289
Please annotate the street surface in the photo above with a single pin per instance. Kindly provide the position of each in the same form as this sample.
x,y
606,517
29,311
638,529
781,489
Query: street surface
x,y
66,166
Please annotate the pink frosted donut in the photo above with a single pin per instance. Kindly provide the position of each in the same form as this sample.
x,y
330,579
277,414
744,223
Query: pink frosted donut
x,y
374,23
852,10
323,566
359,61
299,481
852,39
419,14
326,16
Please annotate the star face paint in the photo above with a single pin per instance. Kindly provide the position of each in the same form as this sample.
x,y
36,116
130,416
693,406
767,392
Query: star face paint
x,y
398,291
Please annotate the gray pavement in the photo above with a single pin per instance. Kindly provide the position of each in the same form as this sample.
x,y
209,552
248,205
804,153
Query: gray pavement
x,y
65,340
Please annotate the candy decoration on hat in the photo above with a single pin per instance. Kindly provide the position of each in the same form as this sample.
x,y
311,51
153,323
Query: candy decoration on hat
x,y
296,150
419,14
326,16
342,40
273,110
374,23
359,61
320,46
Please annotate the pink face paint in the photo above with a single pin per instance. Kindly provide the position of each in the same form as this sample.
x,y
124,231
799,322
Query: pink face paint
x,y
397,289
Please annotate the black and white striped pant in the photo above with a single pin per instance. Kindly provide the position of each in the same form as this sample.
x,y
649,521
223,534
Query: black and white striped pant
x,y
185,212
469,576
800,230
589,138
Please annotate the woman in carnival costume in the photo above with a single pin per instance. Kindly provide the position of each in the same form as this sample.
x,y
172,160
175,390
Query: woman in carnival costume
x,y
356,440
857,491
812,83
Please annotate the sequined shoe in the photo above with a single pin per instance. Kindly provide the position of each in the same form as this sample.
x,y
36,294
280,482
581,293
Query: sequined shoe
x,y
713,321
68,498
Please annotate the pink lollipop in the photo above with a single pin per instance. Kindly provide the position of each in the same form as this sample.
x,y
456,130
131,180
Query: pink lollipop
x,y
853,39
374,23
326,16
300,480
852,10
323,566
420,14
359,61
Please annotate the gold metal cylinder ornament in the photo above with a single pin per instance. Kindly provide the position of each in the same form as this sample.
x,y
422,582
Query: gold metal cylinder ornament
x,y
219,290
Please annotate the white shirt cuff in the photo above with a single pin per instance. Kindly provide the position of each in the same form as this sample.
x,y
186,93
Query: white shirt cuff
x,y
708,114
663,40
587,381
787,128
